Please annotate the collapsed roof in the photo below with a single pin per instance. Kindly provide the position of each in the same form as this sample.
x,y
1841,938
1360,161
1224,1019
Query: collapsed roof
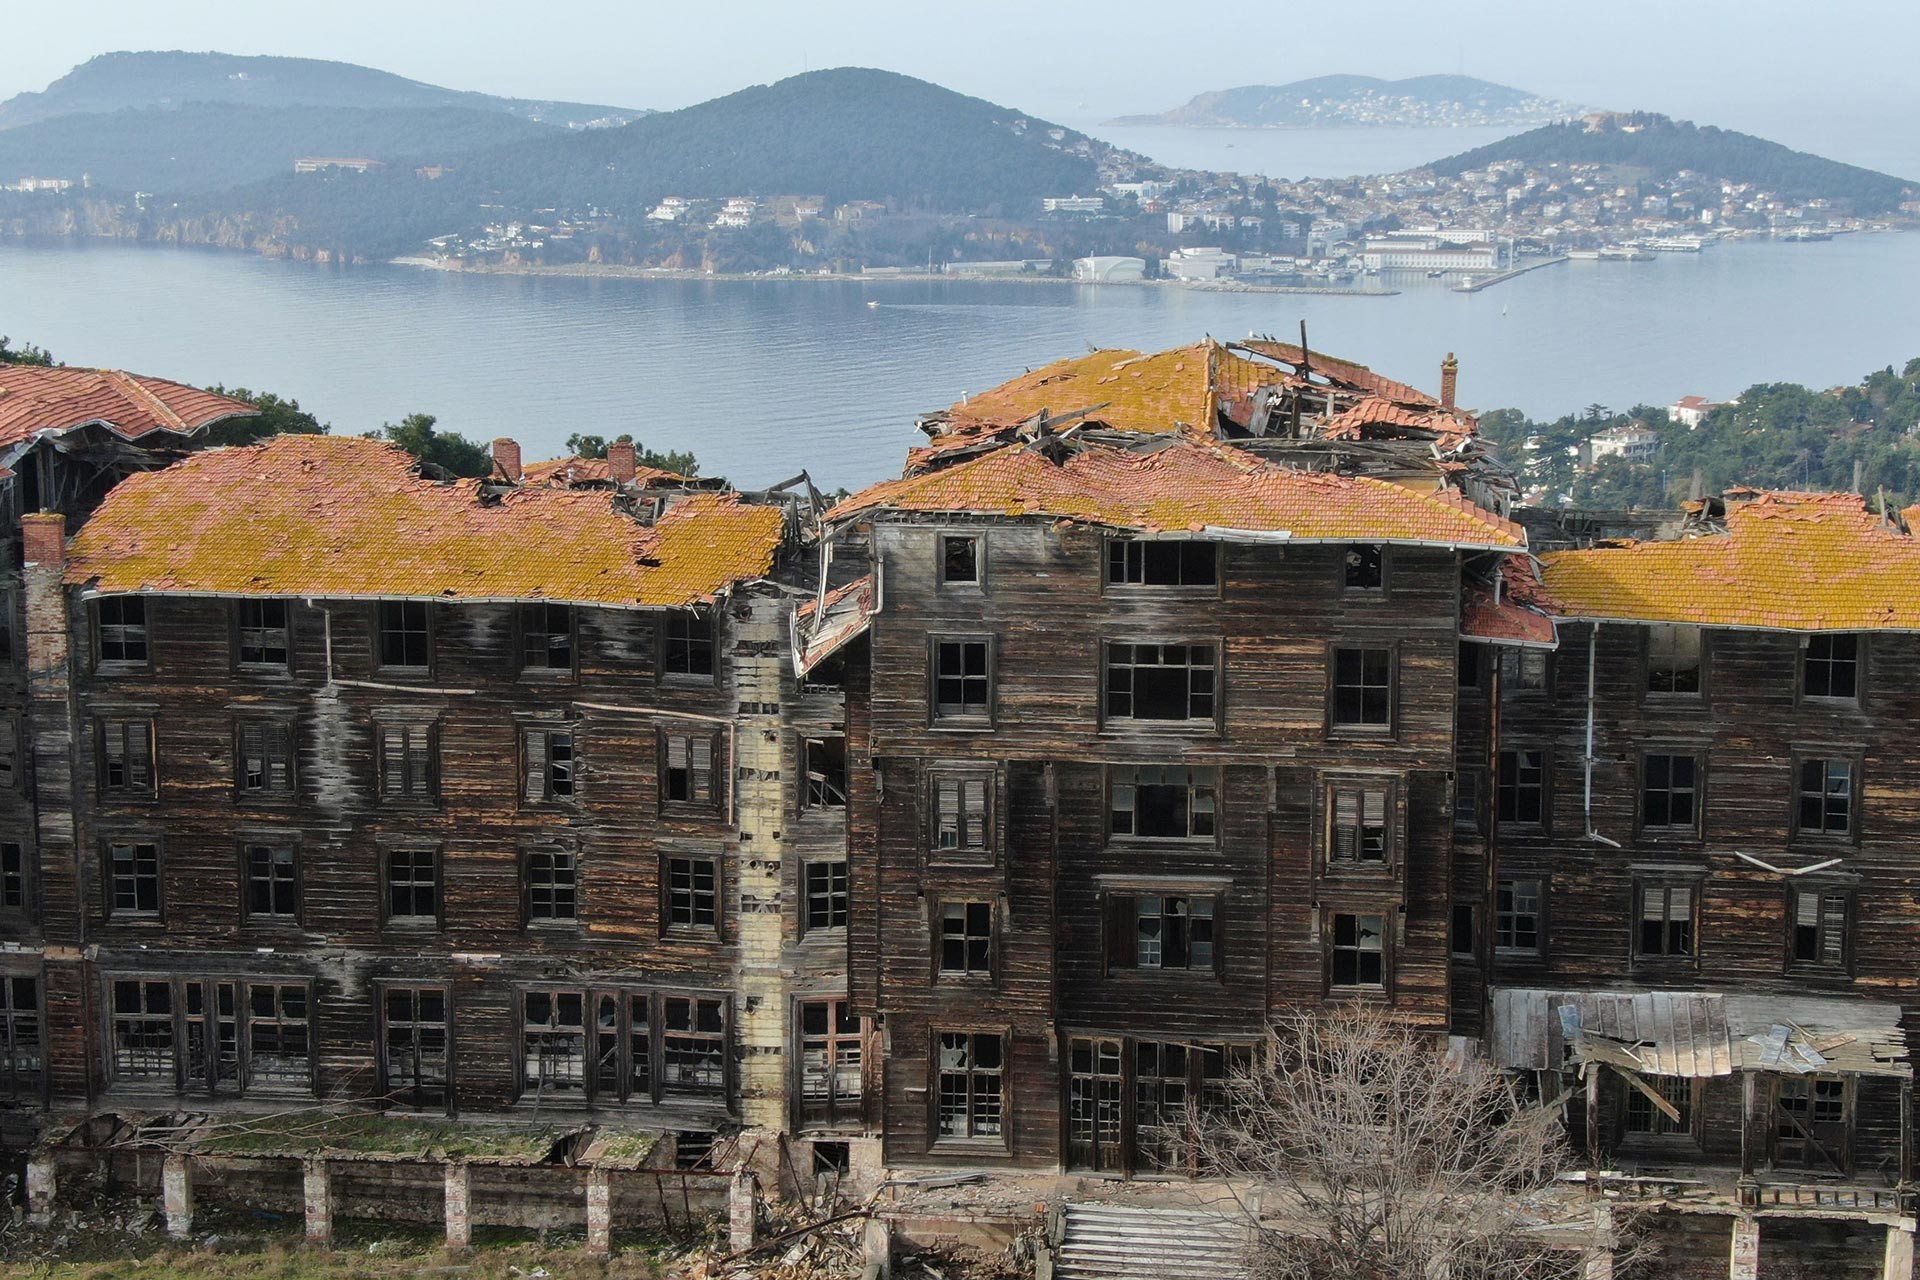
x,y
346,517
37,402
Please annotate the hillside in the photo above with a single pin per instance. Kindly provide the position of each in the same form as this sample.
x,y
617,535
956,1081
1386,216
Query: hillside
x,y
1360,101
116,81
208,147
1663,147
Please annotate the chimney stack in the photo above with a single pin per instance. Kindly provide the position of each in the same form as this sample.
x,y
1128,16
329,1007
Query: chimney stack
x,y
43,536
622,461
1449,380
506,459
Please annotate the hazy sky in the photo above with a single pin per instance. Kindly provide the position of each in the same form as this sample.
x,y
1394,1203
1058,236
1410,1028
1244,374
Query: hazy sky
x,y
1799,70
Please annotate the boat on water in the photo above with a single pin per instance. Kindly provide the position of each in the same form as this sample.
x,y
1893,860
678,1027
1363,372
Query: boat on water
x,y
1584,255
1624,253
1675,244
1803,233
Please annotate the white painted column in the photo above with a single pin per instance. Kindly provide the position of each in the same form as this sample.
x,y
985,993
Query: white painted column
x,y
317,1185
1744,1264
876,1241
1899,1259
41,1186
743,1210
458,1205
599,1211
176,1196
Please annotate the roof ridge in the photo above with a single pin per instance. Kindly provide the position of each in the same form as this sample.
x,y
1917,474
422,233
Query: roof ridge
x,y
130,387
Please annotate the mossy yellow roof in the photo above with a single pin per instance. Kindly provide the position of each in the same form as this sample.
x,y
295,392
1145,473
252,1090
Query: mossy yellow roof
x,y
1147,393
1786,561
337,516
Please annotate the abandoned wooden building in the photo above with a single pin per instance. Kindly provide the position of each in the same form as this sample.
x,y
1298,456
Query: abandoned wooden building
x,y
985,819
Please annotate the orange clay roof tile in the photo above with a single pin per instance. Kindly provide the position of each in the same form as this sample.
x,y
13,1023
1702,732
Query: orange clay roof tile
x,y
340,516
1146,393
563,472
35,399
1188,485
1787,561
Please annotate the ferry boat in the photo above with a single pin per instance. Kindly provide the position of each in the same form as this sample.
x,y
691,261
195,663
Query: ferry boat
x,y
1676,244
1584,255
1624,253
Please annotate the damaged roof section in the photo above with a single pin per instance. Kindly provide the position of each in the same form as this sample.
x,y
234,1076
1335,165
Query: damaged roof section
x,y
1275,399
1179,484
1506,606
821,628
1756,559
36,401
345,517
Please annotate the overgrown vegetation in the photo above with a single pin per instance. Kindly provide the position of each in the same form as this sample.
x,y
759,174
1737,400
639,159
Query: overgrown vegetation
x,y
26,353
419,435
1777,435
277,417
678,461
1661,145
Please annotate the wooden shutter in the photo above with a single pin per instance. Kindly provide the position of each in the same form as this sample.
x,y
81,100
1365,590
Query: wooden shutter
x,y
534,752
1121,925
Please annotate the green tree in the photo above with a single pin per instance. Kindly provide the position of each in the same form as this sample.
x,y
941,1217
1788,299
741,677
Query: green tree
x,y
277,417
25,354
448,450
582,445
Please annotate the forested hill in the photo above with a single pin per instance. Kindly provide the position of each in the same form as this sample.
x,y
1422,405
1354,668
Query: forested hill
x,y
1664,146
1360,100
117,81
209,147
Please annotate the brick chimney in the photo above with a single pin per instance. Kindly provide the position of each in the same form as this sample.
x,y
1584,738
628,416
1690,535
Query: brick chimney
x,y
622,460
1449,380
506,459
43,537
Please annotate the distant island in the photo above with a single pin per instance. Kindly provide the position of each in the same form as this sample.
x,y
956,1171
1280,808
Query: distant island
x,y
1672,151
139,80
1361,101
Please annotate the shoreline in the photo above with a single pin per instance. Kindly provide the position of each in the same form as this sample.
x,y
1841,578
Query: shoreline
x,y
617,271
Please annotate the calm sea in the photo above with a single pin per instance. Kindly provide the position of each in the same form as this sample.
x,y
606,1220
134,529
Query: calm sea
x,y
763,378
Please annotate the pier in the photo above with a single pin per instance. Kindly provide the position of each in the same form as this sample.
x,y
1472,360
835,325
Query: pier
x,y
1500,277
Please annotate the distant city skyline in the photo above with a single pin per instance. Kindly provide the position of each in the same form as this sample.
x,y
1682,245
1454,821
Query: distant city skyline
x,y
1776,67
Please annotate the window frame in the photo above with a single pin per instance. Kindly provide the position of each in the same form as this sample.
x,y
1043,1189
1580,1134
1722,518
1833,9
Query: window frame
x,y
384,989
987,974
1337,728
1544,824
1822,890
987,852
525,633
28,908
1333,786
839,901
842,1111
1693,1117
1115,778
537,772
1331,948
817,786
1516,951
274,730
718,768
241,628
688,647
1382,554
413,922
1211,723
1001,1138
574,919
1518,656
124,793
1122,546
1666,883
23,1067
1855,760
429,630
1121,912
1667,696
1672,833
109,878
428,730
105,666
1858,698
977,583
965,721
694,930
273,842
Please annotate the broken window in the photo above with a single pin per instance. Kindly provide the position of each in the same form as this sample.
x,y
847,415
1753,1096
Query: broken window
x,y
126,757
1523,670
1665,915
1813,1124
1468,668
830,1063
122,631
1162,682
22,1037
133,879
546,638
693,1046
1362,688
143,1046
1819,925
1830,666
966,937
1162,562
265,758
1522,787
13,876
553,1044
210,1054
552,886
1517,916
688,776
1824,798
9,753
414,1045
1162,1083
970,1066
1357,817
409,761
826,773
1646,1118
827,896
413,886
1163,802
1469,786
962,681
960,560
1463,933
1358,955
279,1044
689,647
273,882
406,635
1364,566
262,633
962,824
552,767
1669,792
693,896
1163,931
1673,658
1096,1090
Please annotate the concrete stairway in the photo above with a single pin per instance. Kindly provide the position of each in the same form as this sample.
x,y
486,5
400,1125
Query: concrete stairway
x,y
1107,1241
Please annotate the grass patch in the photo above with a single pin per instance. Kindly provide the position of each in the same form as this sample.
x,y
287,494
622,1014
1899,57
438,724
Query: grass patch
x,y
313,1134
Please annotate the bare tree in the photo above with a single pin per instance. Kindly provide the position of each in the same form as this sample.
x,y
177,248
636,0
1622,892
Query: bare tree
x,y
1379,1155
